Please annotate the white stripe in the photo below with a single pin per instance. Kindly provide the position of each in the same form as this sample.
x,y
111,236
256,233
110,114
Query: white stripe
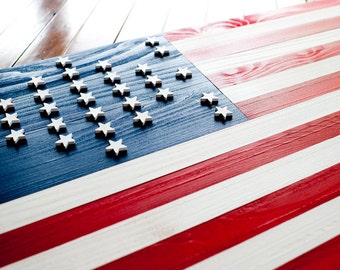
x,y
60,198
282,243
140,231
280,80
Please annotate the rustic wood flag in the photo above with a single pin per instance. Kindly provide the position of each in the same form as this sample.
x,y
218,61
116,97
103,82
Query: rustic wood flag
x,y
215,147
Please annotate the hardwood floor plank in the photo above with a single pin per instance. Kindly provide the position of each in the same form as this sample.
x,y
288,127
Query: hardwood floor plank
x,y
217,10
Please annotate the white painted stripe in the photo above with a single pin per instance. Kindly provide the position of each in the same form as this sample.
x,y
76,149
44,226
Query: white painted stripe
x,y
210,39
280,80
103,183
282,243
221,63
145,229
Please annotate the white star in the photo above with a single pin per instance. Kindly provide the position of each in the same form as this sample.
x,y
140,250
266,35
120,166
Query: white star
x,y
161,51
121,89
131,103
183,73
16,135
151,41
143,69
142,118
103,65
6,104
111,77
49,108
70,73
116,147
105,129
223,113
65,141
10,119
95,113
209,99
36,82
63,62
86,98
164,94
153,81
57,124
79,85
42,95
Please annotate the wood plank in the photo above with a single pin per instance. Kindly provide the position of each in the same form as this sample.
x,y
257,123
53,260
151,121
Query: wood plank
x,y
221,10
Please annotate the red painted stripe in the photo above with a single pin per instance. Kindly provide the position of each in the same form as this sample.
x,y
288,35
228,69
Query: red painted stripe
x,y
325,256
56,230
250,19
289,96
256,70
225,231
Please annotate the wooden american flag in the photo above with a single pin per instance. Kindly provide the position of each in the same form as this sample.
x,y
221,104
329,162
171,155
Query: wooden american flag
x,y
259,190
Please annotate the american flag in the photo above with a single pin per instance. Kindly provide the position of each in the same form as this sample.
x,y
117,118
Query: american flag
x,y
127,156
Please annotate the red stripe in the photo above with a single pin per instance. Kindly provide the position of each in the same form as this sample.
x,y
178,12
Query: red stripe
x,y
325,256
256,70
289,96
55,230
216,235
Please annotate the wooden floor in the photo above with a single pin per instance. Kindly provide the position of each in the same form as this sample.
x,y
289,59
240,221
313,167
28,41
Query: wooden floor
x,y
32,30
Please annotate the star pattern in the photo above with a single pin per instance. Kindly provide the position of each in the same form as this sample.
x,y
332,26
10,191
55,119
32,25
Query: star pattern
x,y
209,99
65,141
57,124
143,69
16,136
164,94
161,51
153,81
10,119
63,62
36,82
131,103
111,77
86,98
6,104
121,89
142,118
95,113
105,129
49,108
151,41
78,85
70,73
116,147
183,73
103,65
223,113
43,95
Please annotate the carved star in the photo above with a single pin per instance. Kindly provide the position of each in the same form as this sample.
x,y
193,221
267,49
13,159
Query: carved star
x,y
143,69
36,82
111,77
105,129
223,113
10,119
49,108
116,147
183,73
6,104
103,65
164,94
142,118
209,99
57,124
153,81
121,89
95,113
78,85
16,136
63,62
86,98
43,95
161,51
66,141
70,73
151,41
131,103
